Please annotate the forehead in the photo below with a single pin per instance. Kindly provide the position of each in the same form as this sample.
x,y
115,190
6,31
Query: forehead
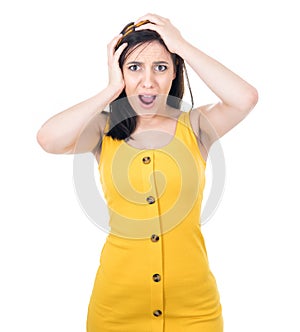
x,y
149,51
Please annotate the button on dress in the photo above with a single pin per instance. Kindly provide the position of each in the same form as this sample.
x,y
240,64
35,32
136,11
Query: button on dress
x,y
154,274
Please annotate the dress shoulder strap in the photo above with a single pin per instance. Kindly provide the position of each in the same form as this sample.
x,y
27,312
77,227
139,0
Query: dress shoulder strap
x,y
184,120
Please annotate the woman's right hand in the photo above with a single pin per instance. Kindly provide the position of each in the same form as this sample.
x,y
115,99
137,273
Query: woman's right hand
x,y
116,80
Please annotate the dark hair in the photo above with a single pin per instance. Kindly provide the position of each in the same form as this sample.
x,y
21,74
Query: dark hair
x,y
122,117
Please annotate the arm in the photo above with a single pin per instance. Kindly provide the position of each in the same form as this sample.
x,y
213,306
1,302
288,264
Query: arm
x,y
237,97
79,128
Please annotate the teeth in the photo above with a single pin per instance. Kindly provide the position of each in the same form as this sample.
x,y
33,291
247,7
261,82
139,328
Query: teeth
x,y
147,99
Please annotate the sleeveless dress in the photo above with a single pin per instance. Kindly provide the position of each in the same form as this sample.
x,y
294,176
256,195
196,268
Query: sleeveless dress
x,y
154,273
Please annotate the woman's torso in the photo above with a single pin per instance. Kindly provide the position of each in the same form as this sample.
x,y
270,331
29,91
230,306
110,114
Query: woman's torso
x,y
166,132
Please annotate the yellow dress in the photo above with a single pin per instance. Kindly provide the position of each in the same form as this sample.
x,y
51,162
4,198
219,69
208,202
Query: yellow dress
x,y
154,274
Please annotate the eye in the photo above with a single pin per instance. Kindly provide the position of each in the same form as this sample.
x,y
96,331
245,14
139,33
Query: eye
x,y
134,67
160,68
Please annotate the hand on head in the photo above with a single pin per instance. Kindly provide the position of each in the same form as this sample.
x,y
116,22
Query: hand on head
x,y
163,26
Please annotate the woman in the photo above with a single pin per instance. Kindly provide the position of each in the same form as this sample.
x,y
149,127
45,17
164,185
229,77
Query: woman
x,y
154,273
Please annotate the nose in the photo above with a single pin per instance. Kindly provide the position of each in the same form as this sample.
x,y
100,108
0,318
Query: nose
x,y
148,79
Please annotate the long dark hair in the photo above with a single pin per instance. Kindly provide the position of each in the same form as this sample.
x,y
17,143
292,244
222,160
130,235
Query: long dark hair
x,y
122,117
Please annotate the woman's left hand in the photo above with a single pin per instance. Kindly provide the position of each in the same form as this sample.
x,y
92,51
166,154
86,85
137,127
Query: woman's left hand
x,y
170,35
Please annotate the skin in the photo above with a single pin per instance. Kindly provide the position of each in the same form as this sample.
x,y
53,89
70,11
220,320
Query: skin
x,y
237,97
148,71
210,122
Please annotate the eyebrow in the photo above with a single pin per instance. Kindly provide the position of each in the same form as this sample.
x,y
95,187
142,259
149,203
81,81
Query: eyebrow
x,y
139,63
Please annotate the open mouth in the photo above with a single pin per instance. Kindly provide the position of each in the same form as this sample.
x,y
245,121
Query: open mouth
x,y
147,99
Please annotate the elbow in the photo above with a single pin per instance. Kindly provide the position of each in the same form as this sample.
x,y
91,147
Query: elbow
x,y
246,100
250,99
253,99
48,142
52,144
43,141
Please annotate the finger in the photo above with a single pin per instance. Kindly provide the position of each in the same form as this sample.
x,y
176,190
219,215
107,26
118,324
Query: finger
x,y
120,49
114,56
112,44
150,26
156,19
115,40
153,17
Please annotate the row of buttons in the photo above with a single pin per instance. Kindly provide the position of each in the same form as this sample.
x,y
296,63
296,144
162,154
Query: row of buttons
x,y
149,199
154,238
156,277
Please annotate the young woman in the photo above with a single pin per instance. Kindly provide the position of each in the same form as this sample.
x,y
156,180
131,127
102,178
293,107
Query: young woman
x,y
154,273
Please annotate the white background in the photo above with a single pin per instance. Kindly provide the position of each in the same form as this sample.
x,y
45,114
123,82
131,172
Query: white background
x,y
53,55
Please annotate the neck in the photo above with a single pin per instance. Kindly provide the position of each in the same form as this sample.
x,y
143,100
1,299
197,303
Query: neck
x,y
156,119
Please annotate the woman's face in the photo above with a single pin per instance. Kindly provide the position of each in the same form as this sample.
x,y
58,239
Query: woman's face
x,y
148,74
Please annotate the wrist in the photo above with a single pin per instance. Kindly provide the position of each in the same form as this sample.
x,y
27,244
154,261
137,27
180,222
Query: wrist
x,y
180,47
